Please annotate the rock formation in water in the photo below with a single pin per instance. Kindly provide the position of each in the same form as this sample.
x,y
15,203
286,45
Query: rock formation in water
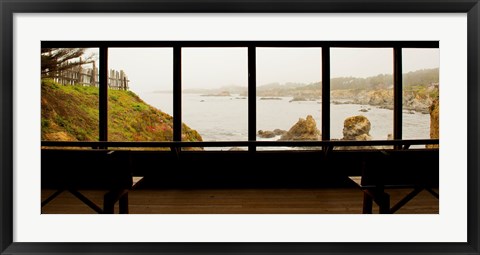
x,y
271,134
356,128
270,98
304,97
279,131
304,129
266,134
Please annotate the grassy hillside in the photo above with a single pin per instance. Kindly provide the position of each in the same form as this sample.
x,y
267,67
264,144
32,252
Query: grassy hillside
x,y
70,113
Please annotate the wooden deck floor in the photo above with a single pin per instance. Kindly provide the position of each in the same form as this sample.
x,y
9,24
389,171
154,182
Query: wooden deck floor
x,y
242,201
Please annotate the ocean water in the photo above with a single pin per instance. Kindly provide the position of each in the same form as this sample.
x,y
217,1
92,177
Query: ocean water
x,y
226,118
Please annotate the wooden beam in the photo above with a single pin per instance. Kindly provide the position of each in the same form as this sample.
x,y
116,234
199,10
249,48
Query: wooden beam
x,y
252,97
325,93
397,93
103,94
177,94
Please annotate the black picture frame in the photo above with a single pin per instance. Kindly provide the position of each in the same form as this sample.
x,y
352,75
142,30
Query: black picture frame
x,y
9,7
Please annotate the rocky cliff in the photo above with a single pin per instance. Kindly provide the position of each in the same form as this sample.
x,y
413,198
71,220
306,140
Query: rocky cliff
x,y
413,100
434,122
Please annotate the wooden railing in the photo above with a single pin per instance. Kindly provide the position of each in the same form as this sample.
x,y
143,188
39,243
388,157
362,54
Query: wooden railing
x,y
329,145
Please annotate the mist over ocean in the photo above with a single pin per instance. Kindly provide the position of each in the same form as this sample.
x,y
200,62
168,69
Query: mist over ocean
x,y
225,118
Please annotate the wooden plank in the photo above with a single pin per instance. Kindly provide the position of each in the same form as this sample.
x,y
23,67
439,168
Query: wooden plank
x,y
247,201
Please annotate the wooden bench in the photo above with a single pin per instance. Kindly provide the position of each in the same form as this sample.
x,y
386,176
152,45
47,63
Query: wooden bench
x,y
373,170
76,169
397,169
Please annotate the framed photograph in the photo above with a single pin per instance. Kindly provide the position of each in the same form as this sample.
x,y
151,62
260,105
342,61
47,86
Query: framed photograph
x,y
268,56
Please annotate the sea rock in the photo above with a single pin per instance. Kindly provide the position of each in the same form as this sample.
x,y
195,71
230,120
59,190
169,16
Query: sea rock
x,y
279,131
266,134
390,137
270,98
301,98
304,129
356,128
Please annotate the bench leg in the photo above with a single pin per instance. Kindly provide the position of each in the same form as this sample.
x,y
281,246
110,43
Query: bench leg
x,y
123,204
384,203
367,204
381,198
109,200
111,197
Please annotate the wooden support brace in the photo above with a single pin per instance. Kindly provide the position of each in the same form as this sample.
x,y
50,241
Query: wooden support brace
x,y
52,197
431,191
406,199
87,201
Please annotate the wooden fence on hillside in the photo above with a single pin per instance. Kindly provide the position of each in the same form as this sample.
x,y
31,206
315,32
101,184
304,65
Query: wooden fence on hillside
x,y
89,77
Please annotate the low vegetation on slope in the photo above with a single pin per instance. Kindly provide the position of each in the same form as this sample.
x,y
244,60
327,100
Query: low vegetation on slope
x,y
70,113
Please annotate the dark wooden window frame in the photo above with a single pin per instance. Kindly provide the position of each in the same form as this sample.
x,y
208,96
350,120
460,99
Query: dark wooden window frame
x,y
251,46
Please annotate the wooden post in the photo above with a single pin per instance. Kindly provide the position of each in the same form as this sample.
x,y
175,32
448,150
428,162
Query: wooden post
x,y
103,94
78,78
110,79
252,96
177,93
78,75
397,94
93,80
325,93
117,79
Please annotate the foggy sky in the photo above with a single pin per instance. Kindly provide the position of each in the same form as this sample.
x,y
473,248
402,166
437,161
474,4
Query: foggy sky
x,y
151,69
